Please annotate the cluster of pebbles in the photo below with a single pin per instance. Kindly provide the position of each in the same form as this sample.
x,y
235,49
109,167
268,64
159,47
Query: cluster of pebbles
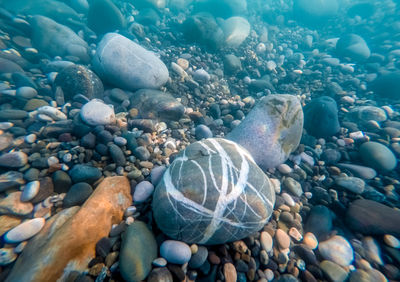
x,y
337,203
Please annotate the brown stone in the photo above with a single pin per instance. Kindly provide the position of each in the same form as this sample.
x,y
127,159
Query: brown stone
x,y
12,205
230,272
67,241
8,222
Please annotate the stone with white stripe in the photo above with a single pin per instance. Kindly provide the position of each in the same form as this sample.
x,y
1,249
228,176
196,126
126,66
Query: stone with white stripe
x,y
212,193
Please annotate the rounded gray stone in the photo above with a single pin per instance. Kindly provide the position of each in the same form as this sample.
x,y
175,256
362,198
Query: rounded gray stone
x,y
175,251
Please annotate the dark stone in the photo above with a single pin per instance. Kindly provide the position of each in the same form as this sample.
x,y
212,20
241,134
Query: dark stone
x,y
215,111
203,132
160,274
372,218
57,128
177,271
102,149
321,117
7,66
21,79
104,137
62,182
46,190
222,8
6,115
11,180
387,85
331,156
40,163
148,17
141,153
77,194
306,254
353,46
198,258
84,173
258,85
232,64
103,247
31,174
138,250
88,141
104,16
118,95
78,79
117,155
154,104
203,28
315,12
319,221
241,266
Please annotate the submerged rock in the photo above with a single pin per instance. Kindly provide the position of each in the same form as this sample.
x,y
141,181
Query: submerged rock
x,y
272,130
236,30
387,85
353,46
315,12
128,65
67,241
212,193
378,156
104,16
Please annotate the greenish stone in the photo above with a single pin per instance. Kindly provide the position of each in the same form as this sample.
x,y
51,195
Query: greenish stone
x,y
378,156
213,193
12,114
33,104
138,250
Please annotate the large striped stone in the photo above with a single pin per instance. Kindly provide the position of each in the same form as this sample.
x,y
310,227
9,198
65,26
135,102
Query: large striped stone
x,y
213,193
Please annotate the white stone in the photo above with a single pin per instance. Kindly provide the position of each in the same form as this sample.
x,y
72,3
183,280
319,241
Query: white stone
x,y
236,30
25,230
126,64
201,75
176,252
284,169
30,191
372,250
143,191
95,112
51,112
337,249
31,138
288,199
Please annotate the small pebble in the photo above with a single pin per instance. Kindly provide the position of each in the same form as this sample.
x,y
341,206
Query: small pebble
x,y
25,230
284,169
266,241
176,252
30,191
160,262
282,239
143,191
391,241
310,240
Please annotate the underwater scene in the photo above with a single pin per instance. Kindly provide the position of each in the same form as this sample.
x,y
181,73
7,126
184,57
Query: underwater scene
x,y
199,140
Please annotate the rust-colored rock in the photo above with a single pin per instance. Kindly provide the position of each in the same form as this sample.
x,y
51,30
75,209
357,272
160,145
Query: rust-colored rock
x,y
67,241
12,205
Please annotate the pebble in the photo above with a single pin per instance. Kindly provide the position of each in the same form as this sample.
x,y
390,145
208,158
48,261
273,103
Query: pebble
x,y
372,250
391,241
378,156
95,112
30,191
266,241
156,174
143,191
198,258
230,272
203,132
120,141
352,184
201,75
25,230
295,234
337,249
282,238
13,160
31,138
358,170
7,256
288,199
117,155
310,240
333,271
284,169
176,252
293,186
77,194
51,112
160,262
26,92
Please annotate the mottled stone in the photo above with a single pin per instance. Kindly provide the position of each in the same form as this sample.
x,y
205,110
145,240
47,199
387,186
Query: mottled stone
x,y
79,229
272,130
138,250
352,184
212,193
337,249
12,205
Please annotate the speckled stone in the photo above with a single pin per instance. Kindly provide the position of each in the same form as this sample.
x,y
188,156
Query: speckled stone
x,y
194,203
337,249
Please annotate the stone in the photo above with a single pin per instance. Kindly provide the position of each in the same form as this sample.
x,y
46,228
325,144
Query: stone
x,y
266,241
128,65
230,272
96,113
142,192
78,79
56,39
161,274
175,251
77,194
84,173
142,153
11,114
13,160
156,174
236,30
364,114
8,222
337,249
293,186
202,28
352,184
34,104
12,205
26,92
30,191
331,156
193,203
203,132
378,156
138,250
198,258
387,85
7,256
117,155
8,66
148,16
272,130
373,218
79,229
389,240
11,180
372,250
104,16
282,238
310,240
319,221
315,12
321,117
202,76
232,64
62,181
154,104
333,271
222,8
358,170
24,231
353,46
46,189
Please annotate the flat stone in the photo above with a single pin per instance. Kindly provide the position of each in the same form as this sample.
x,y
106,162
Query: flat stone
x,y
175,251
77,194
198,258
95,112
352,184
293,186
84,173
333,271
337,249
358,170
378,156
319,221
79,229
143,191
13,159
25,230
12,205
138,251
272,130
282,238
373,218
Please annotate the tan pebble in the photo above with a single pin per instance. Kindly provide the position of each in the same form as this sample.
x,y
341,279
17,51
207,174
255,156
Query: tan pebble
x,y
240,246
194,248
111,258
391,241
266,241
334,170
230,272
251,274
363,264
348,141
310,240
288,199
295,234
282,239
276,184
376,275
284,208
183,63
284,169
245,257
269,274
95,270
213,258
